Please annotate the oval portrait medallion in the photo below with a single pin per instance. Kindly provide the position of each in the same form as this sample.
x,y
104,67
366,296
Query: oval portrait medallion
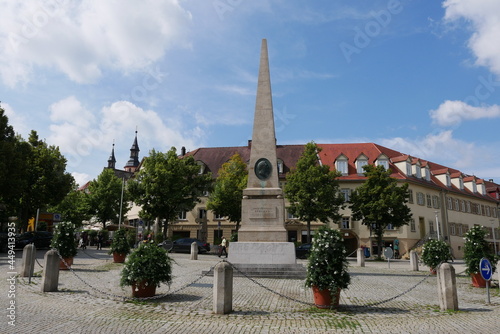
x,y
263,169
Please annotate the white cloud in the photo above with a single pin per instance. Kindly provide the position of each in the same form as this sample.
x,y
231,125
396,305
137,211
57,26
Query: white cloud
x,y
451,113
444,149
485,21
83,38
17,121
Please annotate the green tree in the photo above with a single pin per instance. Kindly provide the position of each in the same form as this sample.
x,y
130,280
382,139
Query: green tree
x,y
312,189
379,201
167,185
225,199
14,153
104,197
47,181
74,207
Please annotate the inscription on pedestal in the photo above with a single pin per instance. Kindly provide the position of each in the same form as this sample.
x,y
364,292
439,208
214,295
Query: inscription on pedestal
x,y
264,212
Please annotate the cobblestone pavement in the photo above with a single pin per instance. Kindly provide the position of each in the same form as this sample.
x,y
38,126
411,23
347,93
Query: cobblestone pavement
x,y
90,300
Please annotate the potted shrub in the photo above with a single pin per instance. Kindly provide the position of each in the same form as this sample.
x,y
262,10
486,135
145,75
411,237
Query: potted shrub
x,y
64,242
434,252
476,248
120,246
327,267
145,268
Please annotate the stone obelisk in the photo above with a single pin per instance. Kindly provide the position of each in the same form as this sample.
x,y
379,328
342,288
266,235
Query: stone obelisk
x,y
262,237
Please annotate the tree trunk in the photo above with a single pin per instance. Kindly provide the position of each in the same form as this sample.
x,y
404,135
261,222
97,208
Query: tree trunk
x,y
380,235
308,232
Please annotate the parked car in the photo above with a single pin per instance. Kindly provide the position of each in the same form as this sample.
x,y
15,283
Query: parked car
x,y
183,245
302,252
41,239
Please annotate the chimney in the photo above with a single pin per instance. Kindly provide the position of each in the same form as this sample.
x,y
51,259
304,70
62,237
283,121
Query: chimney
x,y
250,143
183,151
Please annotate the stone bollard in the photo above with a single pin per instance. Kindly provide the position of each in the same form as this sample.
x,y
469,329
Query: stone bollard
x,y
447,287
194,251
29,252
361,257
414,260
223,288
50,277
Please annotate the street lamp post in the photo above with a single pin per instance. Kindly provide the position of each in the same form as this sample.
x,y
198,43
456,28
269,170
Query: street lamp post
x,y
437,225
494,240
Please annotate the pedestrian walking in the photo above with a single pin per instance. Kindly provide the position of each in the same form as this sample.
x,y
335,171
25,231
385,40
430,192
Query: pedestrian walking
x,y
223,245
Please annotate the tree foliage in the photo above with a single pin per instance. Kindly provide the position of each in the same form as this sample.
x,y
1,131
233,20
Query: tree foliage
x,y
104,197
379,201
225,199
312,189
74,207
167,185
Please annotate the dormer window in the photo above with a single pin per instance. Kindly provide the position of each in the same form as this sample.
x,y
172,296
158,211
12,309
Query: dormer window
x,y
341,164
361,161
448,180
383,161
280,166
408,168
202,167
427,173
461,183
418,172
474,187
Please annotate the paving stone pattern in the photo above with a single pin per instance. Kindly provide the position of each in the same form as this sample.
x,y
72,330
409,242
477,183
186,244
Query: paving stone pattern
x,y
90,300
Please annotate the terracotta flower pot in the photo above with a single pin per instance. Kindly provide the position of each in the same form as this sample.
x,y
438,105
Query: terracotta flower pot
x,y
69,262
433,271
478,280
143,289
119,257
323,298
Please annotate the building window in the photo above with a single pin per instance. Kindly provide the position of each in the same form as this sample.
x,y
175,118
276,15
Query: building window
x,y
346,192
383,162
280,166
431,227
459,230
427,173
448,180
290,214
182,215
412,225
418,171
467,207
429,201
420,198
408,168
218,216
453,230
341,165
359,165
410,196
202,213
461,183
488,213
435,202
462,205
345,223
450,203
456,206
390,227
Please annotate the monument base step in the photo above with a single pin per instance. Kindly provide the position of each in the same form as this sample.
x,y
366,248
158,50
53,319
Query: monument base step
x,y
284,271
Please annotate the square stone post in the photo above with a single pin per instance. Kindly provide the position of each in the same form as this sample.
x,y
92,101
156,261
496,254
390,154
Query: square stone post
x,y
29,252
223,288
50,277
361,257
447,287
414,260
194,251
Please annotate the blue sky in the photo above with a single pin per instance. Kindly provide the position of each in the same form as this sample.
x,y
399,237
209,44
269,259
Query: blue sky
x,y
420,77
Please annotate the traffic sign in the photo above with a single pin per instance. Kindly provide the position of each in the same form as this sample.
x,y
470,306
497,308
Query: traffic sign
x,y
388,253
485,269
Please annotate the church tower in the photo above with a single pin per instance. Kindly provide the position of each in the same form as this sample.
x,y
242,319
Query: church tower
x,y
133,162
112,159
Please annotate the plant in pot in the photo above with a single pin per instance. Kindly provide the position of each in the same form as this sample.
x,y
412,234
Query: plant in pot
x,y
64,241
434,252
327,268
145,268
120,246
476,248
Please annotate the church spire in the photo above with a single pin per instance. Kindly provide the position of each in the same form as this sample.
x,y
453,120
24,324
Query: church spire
x,y
133,162
112,159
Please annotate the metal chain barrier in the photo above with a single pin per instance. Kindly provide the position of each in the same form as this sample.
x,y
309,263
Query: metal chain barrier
x,y
125,298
